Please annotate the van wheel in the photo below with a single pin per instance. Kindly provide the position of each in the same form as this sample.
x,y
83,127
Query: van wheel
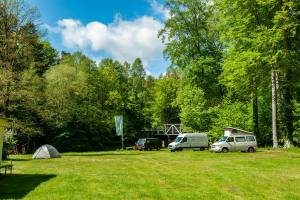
x,y
224,150
251,149
202,148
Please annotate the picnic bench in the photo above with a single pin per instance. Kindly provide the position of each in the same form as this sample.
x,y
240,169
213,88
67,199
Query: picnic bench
x,y
6,166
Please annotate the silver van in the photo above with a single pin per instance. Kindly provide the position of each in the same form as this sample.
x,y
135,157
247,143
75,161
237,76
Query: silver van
x,y
191,141
235,140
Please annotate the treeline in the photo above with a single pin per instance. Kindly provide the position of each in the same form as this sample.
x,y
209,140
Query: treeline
x,y
233,63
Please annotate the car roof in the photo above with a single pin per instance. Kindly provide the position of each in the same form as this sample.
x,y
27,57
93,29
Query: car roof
x,y
193,134
149,138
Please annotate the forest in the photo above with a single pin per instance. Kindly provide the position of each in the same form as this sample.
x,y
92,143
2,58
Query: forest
x,y
233,64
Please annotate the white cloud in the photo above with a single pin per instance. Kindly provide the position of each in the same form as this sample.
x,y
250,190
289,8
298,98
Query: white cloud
x,y
124,40
159,9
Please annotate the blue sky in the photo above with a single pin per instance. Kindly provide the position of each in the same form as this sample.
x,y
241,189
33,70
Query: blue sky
x,y
120,29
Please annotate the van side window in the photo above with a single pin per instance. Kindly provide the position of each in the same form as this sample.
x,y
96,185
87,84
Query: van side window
x,y
240,139
230,139
250,139
184,139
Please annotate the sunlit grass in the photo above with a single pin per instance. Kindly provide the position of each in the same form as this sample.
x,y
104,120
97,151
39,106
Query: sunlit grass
x,y
156,175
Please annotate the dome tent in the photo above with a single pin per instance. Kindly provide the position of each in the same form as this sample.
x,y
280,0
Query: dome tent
x,y
46,151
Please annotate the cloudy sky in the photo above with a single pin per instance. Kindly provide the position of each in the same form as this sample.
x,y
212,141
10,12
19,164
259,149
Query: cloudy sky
x,y
120,29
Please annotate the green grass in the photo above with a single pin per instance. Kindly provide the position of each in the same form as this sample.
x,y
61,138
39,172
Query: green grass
x,y
156,175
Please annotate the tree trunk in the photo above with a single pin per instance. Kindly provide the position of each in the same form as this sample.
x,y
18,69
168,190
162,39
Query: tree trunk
x,y
255,110
274,108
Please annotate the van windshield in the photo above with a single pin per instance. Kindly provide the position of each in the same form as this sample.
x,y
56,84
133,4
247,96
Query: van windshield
x,y
223,139
178,139
141,141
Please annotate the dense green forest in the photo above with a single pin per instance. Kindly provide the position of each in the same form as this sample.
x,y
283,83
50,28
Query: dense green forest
x,y
233,63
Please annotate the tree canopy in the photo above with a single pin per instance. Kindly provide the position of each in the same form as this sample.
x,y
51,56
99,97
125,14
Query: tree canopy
x,y
233,63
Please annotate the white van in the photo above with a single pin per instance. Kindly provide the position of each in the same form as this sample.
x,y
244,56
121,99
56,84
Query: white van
x,y
193,141
235,140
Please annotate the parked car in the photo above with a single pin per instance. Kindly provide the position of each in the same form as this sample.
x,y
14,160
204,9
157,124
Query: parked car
x,y
235,140
148,144
191,141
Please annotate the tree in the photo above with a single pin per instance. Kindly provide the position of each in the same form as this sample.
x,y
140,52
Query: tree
x,y
18,33
193,114
192,44
164,108
44,56
258,28
137,98
71,106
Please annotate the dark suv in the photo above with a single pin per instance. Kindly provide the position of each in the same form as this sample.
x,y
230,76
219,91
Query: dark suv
x,y
148,144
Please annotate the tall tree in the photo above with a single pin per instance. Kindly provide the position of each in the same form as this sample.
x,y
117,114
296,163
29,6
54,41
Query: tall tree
x,y
258,27
192,44
18,33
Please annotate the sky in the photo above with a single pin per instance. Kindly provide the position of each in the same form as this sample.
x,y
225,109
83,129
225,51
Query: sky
x,y
118,29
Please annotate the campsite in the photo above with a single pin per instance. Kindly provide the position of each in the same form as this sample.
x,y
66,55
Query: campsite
x,y
150,99
156,175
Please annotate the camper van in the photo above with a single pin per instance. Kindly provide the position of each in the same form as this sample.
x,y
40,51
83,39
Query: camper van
x,y
235,140
192,141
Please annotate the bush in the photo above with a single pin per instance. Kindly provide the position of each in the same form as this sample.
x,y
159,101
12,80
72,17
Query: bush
x,y
8,143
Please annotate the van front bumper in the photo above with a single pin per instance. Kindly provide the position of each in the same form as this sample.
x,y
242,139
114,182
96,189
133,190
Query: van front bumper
x,y
172,148
215,149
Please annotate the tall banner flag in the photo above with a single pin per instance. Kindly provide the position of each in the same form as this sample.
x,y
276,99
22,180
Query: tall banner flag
x,y
3,123
119,127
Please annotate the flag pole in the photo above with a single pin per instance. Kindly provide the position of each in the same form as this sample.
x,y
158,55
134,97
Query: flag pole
x,y
122,141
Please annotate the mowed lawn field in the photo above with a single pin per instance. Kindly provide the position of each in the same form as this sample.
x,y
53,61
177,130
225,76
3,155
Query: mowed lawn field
x,y
156,175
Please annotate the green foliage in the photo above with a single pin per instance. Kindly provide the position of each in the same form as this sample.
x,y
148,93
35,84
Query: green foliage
x,y
192,44
296,133
164,108
9,143
222,54
194,115
230,114
261,36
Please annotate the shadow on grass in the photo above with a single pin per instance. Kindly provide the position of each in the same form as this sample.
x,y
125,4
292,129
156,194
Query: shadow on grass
x,y
17,186
19,159
103,154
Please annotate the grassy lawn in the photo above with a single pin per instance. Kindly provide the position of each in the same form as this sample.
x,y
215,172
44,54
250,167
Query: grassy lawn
x,y
156,175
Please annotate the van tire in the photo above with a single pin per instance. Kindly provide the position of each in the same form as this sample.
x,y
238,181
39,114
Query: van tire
x,y
202,148
251,150
225,150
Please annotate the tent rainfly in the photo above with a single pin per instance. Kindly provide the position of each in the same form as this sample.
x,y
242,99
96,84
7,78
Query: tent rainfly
x,y
46,151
